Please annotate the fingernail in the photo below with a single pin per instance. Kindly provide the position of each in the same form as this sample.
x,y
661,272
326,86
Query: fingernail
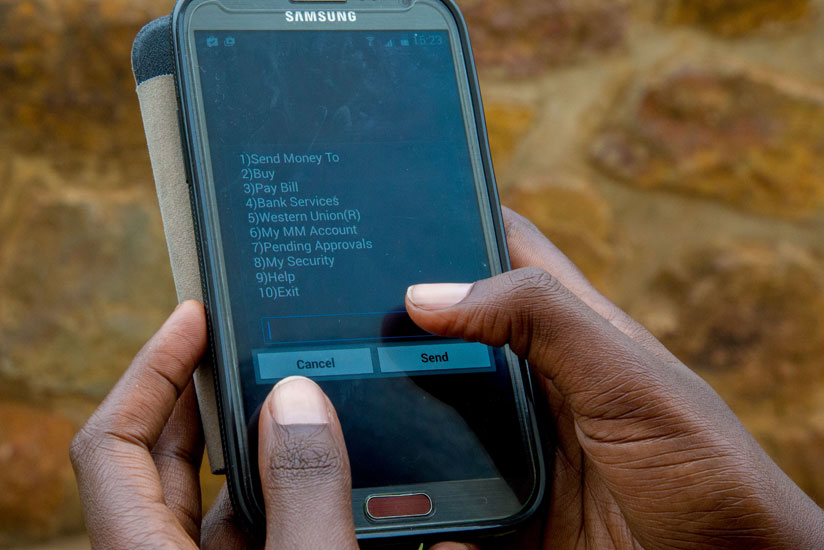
x,y
298,400
440,296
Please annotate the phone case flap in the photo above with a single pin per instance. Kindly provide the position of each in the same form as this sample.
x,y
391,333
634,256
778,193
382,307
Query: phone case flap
x,y
153,66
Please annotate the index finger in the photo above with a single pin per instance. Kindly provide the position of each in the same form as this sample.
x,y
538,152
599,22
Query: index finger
x,y
141,402
120,487
528,247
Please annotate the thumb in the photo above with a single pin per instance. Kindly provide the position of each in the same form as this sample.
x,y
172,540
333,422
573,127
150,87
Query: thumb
x,y
304,469
588,360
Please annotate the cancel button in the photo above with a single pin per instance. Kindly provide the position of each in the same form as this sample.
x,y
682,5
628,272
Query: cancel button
x,y
274,365
328,364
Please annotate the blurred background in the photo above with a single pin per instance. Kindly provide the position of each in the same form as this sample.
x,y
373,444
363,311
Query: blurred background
x,y
673,148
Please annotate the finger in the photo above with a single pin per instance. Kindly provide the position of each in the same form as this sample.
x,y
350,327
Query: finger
x,y
587,359
304,469
223,529
119,484
141,402
455,546
178,455
528,247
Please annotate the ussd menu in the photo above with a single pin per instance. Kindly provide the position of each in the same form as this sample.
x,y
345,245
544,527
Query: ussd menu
x,y
342,174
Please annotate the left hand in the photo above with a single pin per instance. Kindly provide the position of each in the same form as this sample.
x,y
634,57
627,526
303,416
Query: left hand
x,y
137,459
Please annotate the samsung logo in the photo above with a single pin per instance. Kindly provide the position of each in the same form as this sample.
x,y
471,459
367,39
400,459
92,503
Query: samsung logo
x,y
321,17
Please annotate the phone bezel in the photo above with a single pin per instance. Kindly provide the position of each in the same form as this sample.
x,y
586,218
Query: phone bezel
x,y
229,399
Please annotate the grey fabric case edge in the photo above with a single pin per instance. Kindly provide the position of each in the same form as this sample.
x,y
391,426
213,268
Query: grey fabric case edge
x,y
154,70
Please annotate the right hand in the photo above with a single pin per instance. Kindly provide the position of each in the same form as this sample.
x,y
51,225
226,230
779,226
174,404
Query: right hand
x,y
648,455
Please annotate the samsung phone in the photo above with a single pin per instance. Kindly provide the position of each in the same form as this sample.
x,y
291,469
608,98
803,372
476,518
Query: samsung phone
x,y
338,154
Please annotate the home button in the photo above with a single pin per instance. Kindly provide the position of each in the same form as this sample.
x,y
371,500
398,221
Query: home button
x,y
398,506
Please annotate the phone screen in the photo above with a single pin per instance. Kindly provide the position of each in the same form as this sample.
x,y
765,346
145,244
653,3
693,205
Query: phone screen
x,y
343,174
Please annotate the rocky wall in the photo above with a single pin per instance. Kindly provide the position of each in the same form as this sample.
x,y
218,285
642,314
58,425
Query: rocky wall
x,y
673,148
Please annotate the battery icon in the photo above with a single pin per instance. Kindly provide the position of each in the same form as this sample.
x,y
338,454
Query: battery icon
x,y
404,42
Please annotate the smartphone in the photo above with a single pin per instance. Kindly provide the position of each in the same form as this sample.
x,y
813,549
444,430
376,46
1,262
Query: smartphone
x,y
337,154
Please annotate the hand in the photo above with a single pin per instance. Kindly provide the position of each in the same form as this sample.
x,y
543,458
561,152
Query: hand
x,y
137,459
648,455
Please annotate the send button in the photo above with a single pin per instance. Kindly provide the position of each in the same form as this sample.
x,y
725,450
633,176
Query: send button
x,y
434,357
315,363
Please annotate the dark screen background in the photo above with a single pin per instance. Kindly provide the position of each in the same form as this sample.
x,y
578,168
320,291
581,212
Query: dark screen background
x,y
386,104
